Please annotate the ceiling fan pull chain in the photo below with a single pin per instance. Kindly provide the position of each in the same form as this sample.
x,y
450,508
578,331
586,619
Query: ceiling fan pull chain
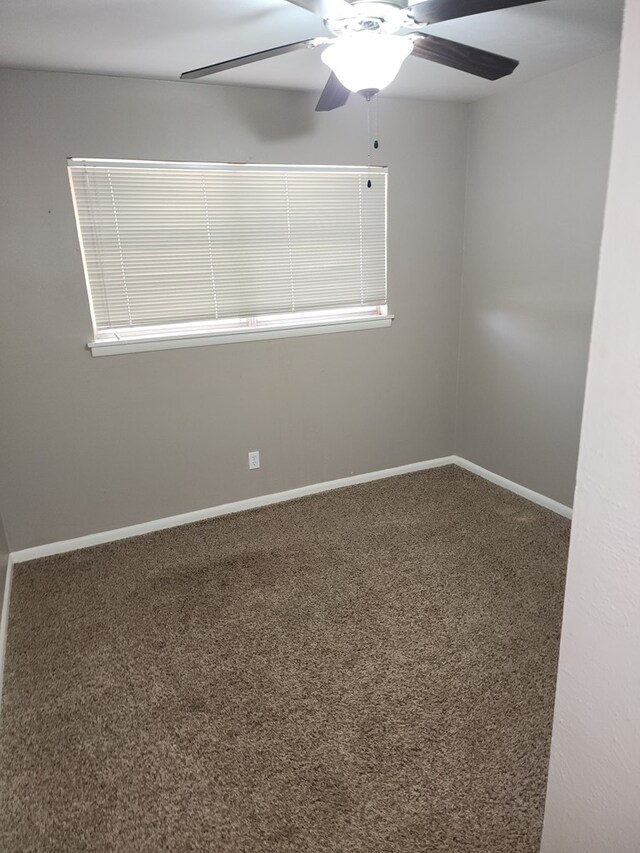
x,y
372,133
369,140
376,144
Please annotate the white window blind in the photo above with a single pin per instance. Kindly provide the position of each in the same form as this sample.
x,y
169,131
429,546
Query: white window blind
x,y
170,245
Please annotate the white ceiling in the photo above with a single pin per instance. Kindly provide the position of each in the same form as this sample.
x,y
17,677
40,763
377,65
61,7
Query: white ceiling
x,y
162,38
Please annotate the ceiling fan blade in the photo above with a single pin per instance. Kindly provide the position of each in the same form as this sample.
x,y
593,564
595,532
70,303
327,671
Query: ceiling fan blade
x,y
250,57
491,66
326,8
333,95
434,11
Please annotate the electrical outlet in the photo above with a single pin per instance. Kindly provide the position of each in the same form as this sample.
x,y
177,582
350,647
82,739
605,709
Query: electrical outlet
x,y
254,459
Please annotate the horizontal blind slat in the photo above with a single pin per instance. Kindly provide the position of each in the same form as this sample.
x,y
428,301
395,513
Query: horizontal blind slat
x,y
163,244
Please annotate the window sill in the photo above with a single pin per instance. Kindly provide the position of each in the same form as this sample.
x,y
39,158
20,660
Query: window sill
x,y
122,346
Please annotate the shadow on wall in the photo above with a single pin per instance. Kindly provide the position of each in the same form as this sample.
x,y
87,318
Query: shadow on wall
x,y
291,116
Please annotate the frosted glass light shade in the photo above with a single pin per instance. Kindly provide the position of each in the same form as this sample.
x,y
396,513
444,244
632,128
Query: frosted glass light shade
x,y
367,60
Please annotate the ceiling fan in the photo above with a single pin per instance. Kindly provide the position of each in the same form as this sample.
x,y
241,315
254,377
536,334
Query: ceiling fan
x,y
372,38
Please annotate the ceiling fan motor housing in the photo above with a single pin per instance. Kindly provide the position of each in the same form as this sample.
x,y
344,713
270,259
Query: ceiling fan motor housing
x,y
372,16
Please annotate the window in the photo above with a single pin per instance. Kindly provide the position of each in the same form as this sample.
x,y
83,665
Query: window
x,y
181,254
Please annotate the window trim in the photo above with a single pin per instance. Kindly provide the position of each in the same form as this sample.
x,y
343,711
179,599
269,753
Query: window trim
x,y
102,347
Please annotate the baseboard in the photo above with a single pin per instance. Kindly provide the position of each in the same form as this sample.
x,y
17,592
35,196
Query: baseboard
x,y
224,509
264,500
4,621
534,497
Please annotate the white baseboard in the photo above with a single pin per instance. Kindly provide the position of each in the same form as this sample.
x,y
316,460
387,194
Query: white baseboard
x,y
224,509
534,497
4,621
264,500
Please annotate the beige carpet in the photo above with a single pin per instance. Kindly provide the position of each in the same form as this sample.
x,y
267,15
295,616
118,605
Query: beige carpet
x,y
371,669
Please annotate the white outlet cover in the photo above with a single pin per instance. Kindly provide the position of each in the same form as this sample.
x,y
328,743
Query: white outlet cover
x,y
254,459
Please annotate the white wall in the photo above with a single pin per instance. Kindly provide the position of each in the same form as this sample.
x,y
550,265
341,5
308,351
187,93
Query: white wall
x,y
537,173
593,799
94,444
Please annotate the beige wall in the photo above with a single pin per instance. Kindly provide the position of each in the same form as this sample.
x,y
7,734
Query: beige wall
x,y
94,444
594,779
538,162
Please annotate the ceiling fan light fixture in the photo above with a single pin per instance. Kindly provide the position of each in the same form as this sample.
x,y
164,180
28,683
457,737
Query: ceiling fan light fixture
x,y
367,61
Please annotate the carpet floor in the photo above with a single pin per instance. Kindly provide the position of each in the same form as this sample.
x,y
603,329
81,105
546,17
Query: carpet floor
x,y
369,669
